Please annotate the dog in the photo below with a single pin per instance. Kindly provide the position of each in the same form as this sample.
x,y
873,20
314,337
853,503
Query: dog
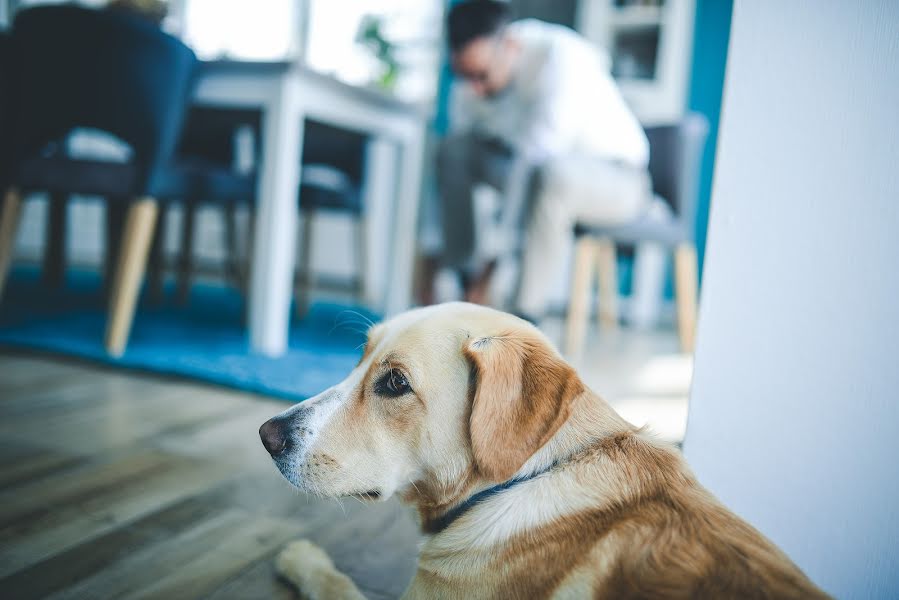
x,y
527,484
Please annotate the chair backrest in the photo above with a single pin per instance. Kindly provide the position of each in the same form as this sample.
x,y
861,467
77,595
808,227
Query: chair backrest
x,y
102,69
335,147
209,132
675,163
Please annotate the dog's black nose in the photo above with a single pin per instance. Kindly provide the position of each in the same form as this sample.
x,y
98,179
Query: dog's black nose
x,y
274,436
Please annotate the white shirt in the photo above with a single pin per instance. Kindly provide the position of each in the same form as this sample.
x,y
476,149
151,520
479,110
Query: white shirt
x,y
561,100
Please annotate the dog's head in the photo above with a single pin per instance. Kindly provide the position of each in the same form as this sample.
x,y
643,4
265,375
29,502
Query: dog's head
x,y
443,397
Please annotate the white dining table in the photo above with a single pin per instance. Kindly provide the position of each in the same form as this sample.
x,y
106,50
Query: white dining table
x,y
287,94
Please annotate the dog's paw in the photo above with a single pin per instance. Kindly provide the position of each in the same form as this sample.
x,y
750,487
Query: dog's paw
x,y
300,558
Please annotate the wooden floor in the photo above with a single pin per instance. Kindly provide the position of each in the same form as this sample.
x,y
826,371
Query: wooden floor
x,y
115,484
118,485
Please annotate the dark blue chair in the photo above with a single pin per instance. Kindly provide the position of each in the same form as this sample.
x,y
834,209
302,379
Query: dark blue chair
x,y
203,173
332,178
111,71
674,166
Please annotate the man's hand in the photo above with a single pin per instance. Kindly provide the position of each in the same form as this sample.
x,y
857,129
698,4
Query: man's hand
x,y
424,281
478,290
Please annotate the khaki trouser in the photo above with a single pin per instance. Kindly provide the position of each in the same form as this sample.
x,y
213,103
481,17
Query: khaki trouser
x,y
465,161
540,204
575,189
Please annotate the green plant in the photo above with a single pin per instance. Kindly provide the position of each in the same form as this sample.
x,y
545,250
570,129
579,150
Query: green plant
x,y
371,36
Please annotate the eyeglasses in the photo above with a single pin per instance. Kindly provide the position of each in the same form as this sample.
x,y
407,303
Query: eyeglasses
x,y
480,76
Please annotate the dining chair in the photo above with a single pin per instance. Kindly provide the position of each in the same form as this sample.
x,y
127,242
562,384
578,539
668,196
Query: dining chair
x,y
211,167
202,174
331,182
674,167
75,67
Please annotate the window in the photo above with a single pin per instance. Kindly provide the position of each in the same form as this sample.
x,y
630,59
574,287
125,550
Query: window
x,y
413,29
242,29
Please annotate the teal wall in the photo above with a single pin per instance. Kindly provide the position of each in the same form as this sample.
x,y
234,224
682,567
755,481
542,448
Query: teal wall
x,y
711,34
441,116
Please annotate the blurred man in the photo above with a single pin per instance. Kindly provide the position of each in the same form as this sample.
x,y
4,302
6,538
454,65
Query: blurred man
x,y
536,115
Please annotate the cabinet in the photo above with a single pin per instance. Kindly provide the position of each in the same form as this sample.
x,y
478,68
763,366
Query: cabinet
x,y
650,44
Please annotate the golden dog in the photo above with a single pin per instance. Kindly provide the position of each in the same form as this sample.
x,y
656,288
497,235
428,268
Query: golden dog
x,y
527,484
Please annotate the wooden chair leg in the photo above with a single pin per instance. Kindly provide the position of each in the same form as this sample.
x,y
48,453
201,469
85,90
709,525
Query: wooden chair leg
x,y
579,297
136,239
54,268
361,245
246,267
686,286
304,278
248,257
9,226
185,253
607,266
156,260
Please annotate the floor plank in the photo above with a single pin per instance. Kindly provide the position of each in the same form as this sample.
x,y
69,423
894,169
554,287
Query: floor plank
x,y
114,484
246,542
93,511
23,463
259,582
80,562
151,562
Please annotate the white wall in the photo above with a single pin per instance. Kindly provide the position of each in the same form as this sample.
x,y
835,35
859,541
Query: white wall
x,y
794,417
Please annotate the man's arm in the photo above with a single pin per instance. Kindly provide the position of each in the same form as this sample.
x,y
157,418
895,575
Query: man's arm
x,y
461,108
551,124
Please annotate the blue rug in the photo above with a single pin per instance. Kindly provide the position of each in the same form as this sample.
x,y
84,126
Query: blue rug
x,y
205,340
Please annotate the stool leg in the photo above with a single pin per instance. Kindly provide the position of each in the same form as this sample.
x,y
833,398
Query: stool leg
x,y
9,226
304,280
647,284
186,256
579,296
607,267
54,269
686,286
245,273
136,239
232,260
248,259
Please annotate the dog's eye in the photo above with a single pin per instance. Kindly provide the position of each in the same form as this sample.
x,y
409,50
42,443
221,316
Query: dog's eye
x,y
393,383
397,383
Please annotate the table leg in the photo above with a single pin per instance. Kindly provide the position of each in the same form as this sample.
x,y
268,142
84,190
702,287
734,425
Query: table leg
x,y
405,231
379,187
271,276
650,261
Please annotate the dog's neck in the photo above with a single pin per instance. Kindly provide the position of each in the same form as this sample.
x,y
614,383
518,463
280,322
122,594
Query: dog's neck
x,y
592,422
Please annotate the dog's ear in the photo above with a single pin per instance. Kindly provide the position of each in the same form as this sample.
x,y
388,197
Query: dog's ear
x,y
523,392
